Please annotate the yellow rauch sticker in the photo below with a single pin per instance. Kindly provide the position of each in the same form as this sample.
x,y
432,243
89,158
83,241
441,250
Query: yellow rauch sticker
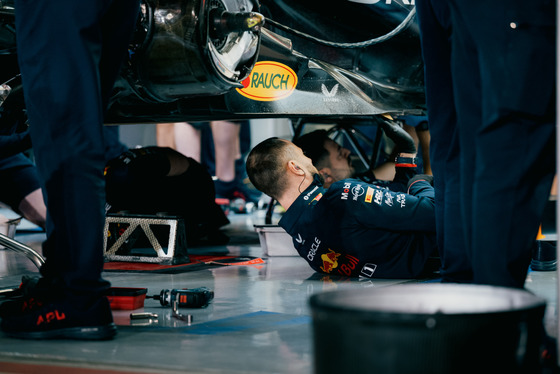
x,y
269,81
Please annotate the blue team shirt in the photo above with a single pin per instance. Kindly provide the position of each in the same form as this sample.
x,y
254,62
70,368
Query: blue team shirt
x,y
359,229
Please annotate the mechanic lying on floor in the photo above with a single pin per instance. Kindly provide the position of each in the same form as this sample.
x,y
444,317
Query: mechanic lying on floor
x,y
353,228
334,163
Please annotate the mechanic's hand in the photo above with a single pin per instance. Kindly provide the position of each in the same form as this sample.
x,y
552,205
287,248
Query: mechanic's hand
x,y
420,177
403,141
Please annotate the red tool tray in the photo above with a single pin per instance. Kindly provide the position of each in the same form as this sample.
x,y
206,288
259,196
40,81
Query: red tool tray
x,y
126,298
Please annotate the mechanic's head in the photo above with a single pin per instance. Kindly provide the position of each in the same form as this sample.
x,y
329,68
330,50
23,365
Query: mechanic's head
x,y
274,165
332,160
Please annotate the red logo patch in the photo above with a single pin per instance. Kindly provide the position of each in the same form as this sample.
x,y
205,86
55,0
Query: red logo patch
x,y
50,316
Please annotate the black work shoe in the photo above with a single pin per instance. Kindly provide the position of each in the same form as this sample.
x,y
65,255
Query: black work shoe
x,y
63,320
33,292
19,306
544,256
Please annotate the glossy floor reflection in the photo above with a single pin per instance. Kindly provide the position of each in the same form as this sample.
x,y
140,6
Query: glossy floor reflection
x,y
258,322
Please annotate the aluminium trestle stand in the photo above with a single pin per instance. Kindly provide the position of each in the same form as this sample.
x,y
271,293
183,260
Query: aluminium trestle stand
x,y
145,238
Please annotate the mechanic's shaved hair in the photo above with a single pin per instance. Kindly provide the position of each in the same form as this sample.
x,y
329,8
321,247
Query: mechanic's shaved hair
x,y
267,164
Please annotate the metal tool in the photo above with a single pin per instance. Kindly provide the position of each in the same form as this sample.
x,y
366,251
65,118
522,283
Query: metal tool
x,y
186,298
143,316
18,247
175,310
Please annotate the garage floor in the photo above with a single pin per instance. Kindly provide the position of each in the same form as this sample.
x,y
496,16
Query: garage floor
x,y
258,322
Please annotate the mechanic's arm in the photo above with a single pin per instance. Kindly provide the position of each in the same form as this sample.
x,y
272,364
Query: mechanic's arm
x,y
395,211
421,185
14,143
405,168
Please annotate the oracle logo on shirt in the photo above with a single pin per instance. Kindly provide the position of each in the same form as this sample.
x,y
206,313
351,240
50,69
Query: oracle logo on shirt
x,y
313,250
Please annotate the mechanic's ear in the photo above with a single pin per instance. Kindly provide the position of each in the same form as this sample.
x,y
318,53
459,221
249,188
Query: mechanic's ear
x,y
294,167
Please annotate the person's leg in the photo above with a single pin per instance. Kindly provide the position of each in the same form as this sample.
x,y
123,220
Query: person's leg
x,y
512,139
165,135
434,22
227,150
21,188
65,94
226,144
188,140
33,208
466,93
424,137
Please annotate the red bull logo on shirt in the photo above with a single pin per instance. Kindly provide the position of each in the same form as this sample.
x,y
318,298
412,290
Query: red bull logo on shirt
x,y
318,197
330,261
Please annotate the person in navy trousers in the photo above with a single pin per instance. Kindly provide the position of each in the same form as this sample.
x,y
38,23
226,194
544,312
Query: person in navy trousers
x,y
70,53
490,82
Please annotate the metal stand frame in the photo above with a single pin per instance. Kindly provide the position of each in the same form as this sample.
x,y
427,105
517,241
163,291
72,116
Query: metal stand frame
x,y
18,247
169,250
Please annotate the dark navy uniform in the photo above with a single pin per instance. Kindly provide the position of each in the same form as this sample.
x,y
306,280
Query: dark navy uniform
x,y
434,21
358,229
497,61
70,53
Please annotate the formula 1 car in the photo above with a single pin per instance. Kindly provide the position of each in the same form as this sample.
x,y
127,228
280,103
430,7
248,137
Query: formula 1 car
x,y
194,60
204,60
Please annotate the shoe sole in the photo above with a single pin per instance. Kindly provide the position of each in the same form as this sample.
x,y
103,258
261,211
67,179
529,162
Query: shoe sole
x,y
543,265
76,333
